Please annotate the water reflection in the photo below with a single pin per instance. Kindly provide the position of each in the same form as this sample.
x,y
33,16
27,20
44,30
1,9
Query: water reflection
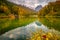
x,y
24,32
51,22
7,24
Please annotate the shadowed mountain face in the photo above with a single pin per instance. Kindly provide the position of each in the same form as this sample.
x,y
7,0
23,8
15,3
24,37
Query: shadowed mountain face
x,y
50,15
38,7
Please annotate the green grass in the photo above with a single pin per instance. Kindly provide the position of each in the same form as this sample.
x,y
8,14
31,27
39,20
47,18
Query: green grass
x,y
7,24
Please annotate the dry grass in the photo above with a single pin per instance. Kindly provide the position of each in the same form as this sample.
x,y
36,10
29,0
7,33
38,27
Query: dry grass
x,y
50,35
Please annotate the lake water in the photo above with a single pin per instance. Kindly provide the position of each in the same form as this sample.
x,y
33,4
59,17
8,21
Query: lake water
x,y
7,24
21,33
22,28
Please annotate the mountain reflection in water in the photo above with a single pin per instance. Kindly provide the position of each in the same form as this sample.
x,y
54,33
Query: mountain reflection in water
x,y
22,33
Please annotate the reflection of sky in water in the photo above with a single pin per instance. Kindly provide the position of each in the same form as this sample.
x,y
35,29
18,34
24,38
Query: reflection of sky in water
x,y
25,31
32,3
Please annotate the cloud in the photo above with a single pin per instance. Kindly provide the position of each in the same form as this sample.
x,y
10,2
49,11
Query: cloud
x,y
31,3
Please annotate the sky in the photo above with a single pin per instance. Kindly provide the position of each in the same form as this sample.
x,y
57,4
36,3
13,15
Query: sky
x,y
31,3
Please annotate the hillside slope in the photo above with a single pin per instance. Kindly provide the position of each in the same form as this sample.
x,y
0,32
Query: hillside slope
x,y
7,8
50,15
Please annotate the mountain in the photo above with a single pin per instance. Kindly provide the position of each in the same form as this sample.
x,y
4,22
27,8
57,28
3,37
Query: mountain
x,y
38,7
50,15
7,8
